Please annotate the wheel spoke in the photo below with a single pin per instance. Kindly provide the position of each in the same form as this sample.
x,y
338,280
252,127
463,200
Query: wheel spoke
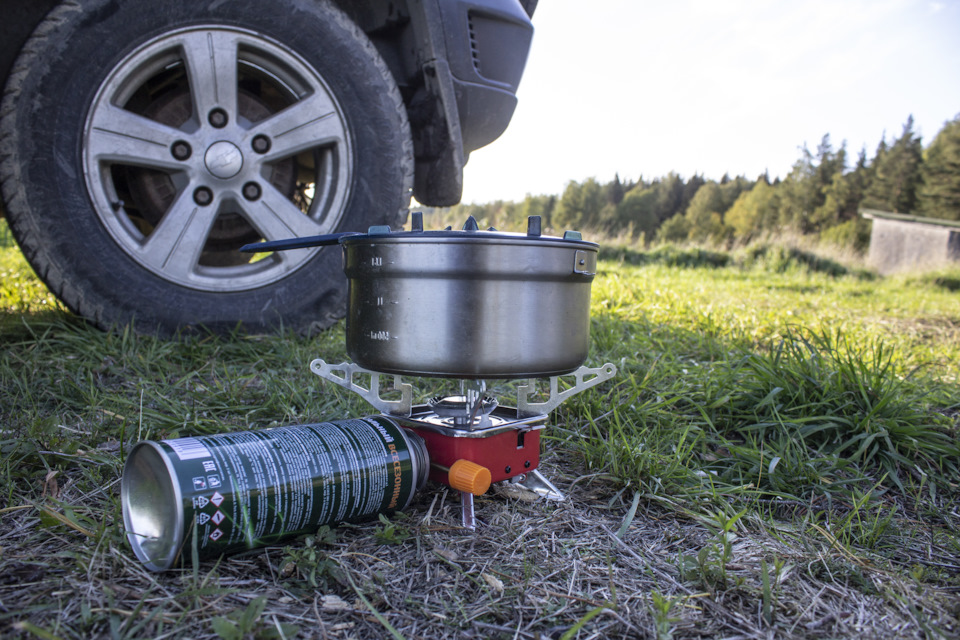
x,y
211,58
277,218
121,136
176,243
193,76
309,123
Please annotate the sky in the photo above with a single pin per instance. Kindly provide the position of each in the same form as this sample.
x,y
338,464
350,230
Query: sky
x,y
645,87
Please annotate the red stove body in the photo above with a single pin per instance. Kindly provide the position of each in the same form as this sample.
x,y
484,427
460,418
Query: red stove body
x,y
508,448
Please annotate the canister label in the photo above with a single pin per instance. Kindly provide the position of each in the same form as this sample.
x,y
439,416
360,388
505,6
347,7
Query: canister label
x,y
243,490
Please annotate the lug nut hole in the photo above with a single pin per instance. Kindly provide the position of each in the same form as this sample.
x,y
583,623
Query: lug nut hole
x,y
181,150
260,143
218,118
202,196
251,191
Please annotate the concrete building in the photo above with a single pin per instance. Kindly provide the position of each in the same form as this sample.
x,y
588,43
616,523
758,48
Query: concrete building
x,y
900,242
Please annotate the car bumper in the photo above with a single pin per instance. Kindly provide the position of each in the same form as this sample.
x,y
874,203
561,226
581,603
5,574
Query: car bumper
x,y
487,44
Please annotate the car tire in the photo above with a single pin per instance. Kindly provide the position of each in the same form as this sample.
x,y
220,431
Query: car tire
x,y
142,143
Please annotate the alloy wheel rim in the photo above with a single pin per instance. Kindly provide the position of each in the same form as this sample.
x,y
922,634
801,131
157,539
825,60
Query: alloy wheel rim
x,y
207,138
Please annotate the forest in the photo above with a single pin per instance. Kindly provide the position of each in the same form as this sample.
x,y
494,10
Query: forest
x,y
821,196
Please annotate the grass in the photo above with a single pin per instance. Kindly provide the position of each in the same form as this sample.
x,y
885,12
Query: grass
x,y
21,293
777,456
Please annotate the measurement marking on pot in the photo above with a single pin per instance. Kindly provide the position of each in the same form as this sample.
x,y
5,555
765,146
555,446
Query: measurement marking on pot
x,y
377,262
379,335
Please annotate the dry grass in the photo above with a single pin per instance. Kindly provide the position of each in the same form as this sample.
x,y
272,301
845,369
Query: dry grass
x,y
533,570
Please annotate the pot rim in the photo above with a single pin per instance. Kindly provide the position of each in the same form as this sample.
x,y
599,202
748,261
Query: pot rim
x,y
467,237
469,234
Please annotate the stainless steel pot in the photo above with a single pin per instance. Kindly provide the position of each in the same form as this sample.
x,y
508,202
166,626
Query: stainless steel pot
x,y
467,303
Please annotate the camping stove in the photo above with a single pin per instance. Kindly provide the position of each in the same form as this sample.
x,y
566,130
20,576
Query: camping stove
x,y
472,440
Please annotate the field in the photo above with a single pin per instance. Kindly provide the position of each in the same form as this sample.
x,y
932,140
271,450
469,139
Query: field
x,y
777,457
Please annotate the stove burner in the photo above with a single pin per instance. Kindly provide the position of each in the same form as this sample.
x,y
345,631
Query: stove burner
x,y
464,412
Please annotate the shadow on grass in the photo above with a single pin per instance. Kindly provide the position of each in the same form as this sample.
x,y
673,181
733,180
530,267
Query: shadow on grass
x,y
946,279
775,258
782,259
667,255
17,326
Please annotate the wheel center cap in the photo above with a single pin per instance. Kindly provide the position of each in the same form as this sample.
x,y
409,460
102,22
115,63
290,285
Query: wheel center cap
x,y
223,159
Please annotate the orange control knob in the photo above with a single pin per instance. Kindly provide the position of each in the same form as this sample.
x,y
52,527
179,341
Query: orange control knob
x,y
469,477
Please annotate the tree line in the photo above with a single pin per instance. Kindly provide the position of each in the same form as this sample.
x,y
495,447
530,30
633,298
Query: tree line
x,y
822,194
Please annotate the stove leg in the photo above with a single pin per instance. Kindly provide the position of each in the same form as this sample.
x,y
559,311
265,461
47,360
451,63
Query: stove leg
x,y
466,506
534,481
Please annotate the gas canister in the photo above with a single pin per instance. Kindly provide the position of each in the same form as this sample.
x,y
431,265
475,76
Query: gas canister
x,y
235,491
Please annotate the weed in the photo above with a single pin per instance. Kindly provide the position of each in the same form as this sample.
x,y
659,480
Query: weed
x,y
582,622
391,532
767,592
379,616
709,566
248,623
660,608
310,563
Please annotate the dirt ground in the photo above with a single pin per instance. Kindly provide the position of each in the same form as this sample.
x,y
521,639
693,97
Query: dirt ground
x,y
533,569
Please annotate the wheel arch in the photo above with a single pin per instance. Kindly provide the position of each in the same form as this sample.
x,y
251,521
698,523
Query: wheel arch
x,y
409,34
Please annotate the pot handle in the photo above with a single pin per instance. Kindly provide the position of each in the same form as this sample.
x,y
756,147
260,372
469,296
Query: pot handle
x,y
297,243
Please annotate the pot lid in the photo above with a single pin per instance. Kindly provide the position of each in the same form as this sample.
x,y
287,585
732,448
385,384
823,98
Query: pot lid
x,y
470,232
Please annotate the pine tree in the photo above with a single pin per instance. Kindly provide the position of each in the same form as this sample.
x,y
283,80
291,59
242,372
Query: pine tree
x,y
833,185
638,210
614,191
836,195
669,192
859,180
896,173
799,194
829,163
940,194
536,206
